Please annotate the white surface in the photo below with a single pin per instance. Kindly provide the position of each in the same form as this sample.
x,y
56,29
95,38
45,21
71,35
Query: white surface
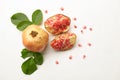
x,y
103,57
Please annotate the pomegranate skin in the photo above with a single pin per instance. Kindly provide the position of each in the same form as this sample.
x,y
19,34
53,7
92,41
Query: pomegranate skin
x,y
35,38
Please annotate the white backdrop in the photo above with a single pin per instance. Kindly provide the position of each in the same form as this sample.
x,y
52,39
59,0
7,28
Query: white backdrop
x,y
102,58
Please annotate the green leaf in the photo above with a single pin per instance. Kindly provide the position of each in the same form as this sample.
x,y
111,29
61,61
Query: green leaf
x,y
38,58
37,17
18,17
29,66
26,53
22,25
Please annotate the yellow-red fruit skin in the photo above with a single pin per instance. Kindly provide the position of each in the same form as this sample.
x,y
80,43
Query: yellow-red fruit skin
x,y
34,38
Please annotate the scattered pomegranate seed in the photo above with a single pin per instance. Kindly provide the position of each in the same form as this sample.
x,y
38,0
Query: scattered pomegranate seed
x,y
70,57
57,62
84,27
46,11
75,26
89,44
82,31
84,56
62,9
74,19
79,45
90,29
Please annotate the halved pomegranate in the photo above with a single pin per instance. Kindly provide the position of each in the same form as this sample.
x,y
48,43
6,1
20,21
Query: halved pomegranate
x,y
64,41
57,24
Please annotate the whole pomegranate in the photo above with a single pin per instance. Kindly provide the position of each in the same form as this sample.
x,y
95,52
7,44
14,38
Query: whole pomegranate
x,y
35,38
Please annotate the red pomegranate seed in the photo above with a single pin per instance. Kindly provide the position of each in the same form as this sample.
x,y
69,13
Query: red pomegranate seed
x,y
74,19
75,26
46,11
79,45
82,31
90,29
84,56
62,9
70,57
89,44
84,27
57,62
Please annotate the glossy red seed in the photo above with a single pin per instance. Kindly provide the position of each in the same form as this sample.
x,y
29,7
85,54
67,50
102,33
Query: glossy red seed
x,y
90,29
79,45
84,56
74,19
70,57
89,44
62,9
46,11
84,27
81,31
75,26
57,62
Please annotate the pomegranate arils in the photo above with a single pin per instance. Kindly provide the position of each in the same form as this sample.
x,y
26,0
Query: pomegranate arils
x,y
81,31
79,45
75,26
56,62
62,9
70,57
46,11
74,19
89,44
84,56
84,27
90,29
